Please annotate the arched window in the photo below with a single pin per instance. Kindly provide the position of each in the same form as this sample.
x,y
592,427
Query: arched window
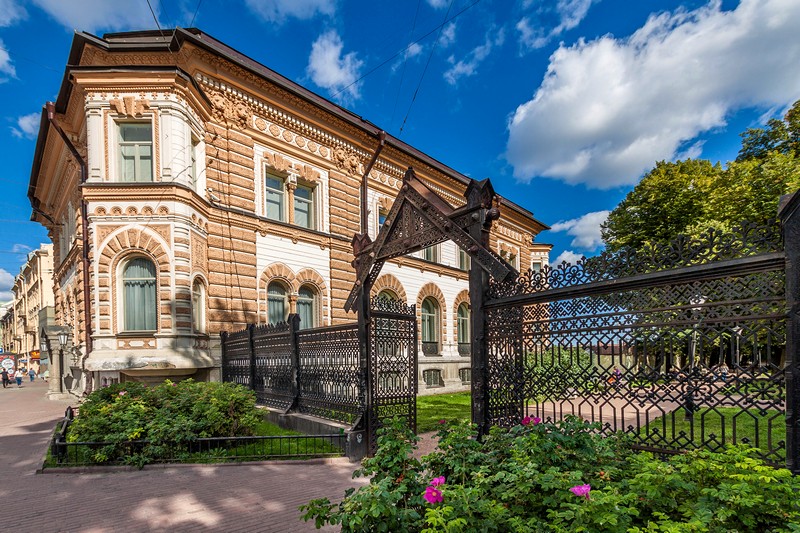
x,y
277,310
198,306
388,295
307,306
462,329
430,326
139,304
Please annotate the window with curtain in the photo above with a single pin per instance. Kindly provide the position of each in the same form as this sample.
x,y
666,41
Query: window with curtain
x,y
463,324
135,151
430,320
140,307
463,260
304,207
275,198
431,253
198,307
306,306
277,308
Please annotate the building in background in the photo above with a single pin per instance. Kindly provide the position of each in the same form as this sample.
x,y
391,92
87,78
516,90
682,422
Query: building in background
x,y
190,190
30,310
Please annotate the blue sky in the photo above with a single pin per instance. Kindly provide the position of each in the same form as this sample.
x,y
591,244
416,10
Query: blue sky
x,y
564,104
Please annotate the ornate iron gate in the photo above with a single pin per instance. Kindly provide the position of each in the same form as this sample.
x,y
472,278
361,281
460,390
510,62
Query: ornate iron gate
x,y
681,346
392,364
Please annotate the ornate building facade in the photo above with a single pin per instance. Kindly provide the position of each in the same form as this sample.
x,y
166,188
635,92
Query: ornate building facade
x,y
190,190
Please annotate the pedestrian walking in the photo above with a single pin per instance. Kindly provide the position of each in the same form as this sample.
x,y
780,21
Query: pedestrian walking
x,y
32,374
6,378
19,375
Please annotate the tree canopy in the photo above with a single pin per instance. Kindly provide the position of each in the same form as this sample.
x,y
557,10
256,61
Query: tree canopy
x,y
691,196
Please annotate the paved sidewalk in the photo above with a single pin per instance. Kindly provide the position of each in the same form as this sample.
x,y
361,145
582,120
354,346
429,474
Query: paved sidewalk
x,y
247,498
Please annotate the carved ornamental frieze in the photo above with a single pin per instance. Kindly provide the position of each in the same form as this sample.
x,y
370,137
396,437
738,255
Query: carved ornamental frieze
x,y
227,110
347,161
129,106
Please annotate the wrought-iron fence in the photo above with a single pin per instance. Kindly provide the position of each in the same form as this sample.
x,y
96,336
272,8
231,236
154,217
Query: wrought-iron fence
x,y
315,371
680,346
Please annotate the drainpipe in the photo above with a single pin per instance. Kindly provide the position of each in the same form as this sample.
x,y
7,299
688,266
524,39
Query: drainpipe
x,y
364,183
87,305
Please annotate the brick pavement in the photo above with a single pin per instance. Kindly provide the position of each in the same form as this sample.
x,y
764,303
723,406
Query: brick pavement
x,y
246,498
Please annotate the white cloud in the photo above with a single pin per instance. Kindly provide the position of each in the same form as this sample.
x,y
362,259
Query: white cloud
x,y
6,283
448,35
609,108
570,13
439,4
11,12
567,256
94,15
329,69
21,248
413,50
7,70
280,10
585,229
27,126
469,65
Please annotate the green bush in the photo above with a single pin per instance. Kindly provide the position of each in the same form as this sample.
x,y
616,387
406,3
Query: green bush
x,y
560,477
167,417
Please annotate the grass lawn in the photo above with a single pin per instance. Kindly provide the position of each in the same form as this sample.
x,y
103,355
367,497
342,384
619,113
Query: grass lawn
x,y
716,427
431,409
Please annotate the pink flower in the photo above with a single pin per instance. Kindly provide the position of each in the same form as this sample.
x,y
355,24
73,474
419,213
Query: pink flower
x,y
443,421
536,420
433,495
525,421
123,392
437,481
581,490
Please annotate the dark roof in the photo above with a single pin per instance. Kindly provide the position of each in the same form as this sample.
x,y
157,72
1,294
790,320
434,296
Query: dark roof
x,y
155,40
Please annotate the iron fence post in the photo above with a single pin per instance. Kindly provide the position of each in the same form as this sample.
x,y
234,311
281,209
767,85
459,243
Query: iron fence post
x,y
223,335
790,226
365,360
480,195
252,375
294,327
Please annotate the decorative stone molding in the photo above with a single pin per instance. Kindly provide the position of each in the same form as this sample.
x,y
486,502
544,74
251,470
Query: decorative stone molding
x,y
389,282
347,161
129,106
127,242
385,203
199,247
230,111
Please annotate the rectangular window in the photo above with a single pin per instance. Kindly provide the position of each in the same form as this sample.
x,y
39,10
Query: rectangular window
x,y
382,218
275,198
536,266
193,155
304,206
431,253
463,260
135,151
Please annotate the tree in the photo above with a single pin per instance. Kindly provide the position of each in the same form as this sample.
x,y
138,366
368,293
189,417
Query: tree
x,y
689,197
669,199
780,136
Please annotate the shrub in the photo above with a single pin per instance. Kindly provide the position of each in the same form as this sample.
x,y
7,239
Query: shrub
x,y
561,477
166,417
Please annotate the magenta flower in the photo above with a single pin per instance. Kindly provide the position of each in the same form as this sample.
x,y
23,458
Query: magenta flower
x,y
581,490
525,421
433,495
536,420
443,421
437,481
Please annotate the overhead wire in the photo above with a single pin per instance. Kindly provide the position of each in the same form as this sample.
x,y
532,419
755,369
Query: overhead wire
x,y
405,62
422,77
402,50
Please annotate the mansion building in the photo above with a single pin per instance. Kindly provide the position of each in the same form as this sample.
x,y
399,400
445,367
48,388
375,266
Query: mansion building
x,y
189,190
